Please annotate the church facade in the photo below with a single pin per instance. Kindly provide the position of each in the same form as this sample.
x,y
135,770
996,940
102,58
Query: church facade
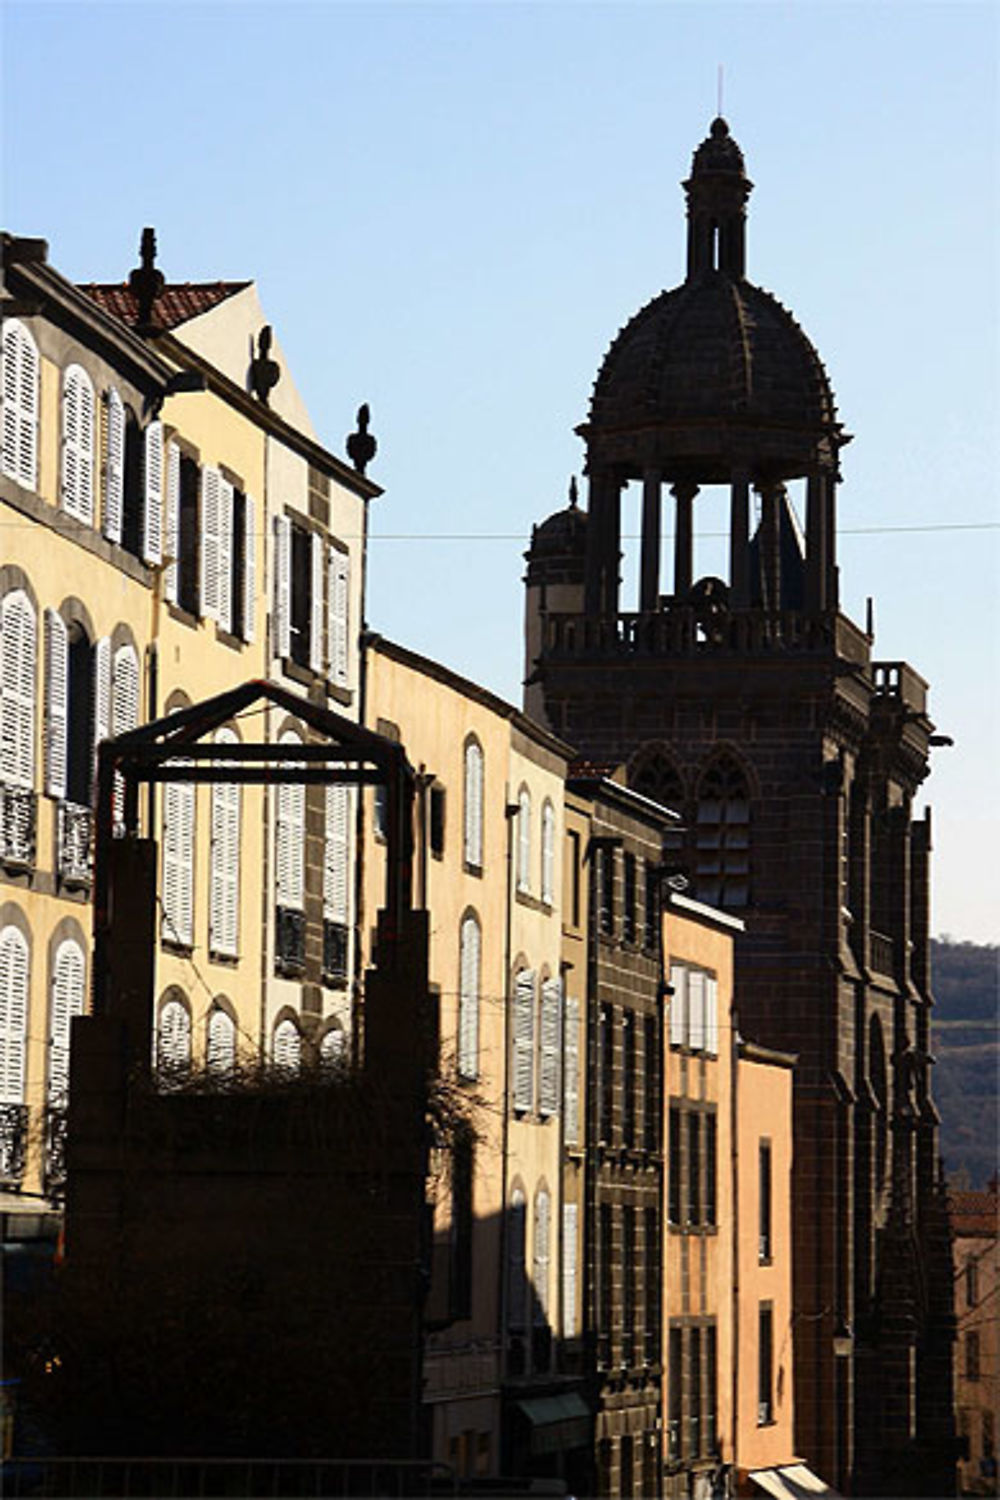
x,y
756,708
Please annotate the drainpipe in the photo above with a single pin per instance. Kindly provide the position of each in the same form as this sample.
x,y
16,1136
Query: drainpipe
x,y
734,1127
510,813
364,640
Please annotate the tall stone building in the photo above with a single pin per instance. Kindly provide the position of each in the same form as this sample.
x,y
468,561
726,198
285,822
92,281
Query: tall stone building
x,y
754,705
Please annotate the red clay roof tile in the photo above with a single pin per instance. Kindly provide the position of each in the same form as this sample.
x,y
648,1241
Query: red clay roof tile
x,y
176,304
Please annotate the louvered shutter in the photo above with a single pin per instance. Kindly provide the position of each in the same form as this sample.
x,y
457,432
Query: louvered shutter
x,y
174,1037
696,1010
210,543
20,405
67,1001
18,657
290,838
524,1039
223,901
172,521
114,466
11,398
524,841
56,702
124,708
177,924
333,1047
540,1276
13,1014
517,1290
550,1038
571,1072
78,445
152,510
220,1051
468,998
473,805
548,853
570,1215
282,587
335,905
102,694
678,1005
316,602
711,1017
249,568
225,554
287,1050
338,584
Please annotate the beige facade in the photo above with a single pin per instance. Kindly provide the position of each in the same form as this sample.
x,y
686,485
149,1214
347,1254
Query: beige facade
x,y
975,1224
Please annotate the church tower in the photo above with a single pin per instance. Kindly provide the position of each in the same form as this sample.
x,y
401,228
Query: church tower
x,y
754,706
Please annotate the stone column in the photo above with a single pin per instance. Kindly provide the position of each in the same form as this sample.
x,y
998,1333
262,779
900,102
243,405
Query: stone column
x,y
649,576
770,545
684,494
821,572
603,546
739,541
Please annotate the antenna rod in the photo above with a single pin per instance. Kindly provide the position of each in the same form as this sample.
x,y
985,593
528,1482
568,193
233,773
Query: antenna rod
x,y
719,110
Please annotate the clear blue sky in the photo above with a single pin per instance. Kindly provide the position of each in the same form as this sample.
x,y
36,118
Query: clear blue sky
x,y
451,209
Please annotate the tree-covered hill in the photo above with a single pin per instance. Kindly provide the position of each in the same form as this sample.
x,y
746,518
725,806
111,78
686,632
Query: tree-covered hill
x,y
967,1046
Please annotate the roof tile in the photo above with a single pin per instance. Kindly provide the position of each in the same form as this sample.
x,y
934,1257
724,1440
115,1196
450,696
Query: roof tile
x,y
176,304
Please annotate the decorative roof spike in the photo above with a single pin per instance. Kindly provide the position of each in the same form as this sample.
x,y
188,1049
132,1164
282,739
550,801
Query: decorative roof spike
x,y
574,495
264,371
146,282
361,446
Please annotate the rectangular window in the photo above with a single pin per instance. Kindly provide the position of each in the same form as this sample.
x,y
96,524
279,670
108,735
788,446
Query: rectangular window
x,y
627,1476
651,1287
678,1005
573,855
301,611
711,1171
765,1364
629,899
651,1082
569,1259
606,1065
237,564
694,1169
675,1392
674,1195
972,1356
606,1250
764,1200
971,1281
188,533
694,1393
628,1078
651,911
628,1285
436,818
606,891
461,1227
711,1390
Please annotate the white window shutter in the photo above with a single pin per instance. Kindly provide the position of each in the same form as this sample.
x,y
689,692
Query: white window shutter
x,y
335,893
13,1014
114,466
249,569
473,805
177,897
316,603
225,554
68,975
56,702
524,1039
524,841
696,1010
290,838
220,1051
124,708
27,438
287,1046
210,543
174,1037
78,445
333,1047
468,998
224,900
282,586
339,604
152,510
571,1072
712,1017
548,853
11,392
678,1005
18,665
102,693
570,1215
172,521
550,1039
540,1277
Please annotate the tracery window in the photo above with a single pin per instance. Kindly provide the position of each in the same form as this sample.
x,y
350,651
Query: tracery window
x,y
722,835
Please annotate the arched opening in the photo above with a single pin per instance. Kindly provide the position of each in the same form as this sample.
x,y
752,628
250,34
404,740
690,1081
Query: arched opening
x,y
722,835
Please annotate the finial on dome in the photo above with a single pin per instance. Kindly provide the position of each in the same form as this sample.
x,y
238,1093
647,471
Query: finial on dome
x,y
574,496
719,127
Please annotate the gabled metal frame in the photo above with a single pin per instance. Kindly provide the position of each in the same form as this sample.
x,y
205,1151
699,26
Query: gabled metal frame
x,y
351,754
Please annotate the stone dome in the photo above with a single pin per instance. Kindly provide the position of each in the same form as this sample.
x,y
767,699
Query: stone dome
x,y
562,534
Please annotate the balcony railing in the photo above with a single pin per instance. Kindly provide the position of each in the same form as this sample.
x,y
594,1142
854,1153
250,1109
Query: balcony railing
x,y
17,826
75,849
54,1150
13,1142
335,935
290,941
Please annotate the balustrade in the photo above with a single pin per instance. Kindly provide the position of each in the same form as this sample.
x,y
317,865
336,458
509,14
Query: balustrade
x,y
18,815
75,846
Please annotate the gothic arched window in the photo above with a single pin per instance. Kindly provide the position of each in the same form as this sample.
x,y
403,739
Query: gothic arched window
x,y
722,835
654,774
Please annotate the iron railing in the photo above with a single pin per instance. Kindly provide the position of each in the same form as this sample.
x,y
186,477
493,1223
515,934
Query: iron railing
x,y
290,941
335,943
18,817
54,1150
13,1142
75,848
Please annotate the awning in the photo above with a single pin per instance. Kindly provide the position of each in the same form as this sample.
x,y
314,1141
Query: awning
x,y
790,1482
557,1422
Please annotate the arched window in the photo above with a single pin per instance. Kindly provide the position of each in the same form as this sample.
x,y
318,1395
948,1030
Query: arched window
x,y
722,835
473,826
524,840
540,1258
173,1038
19,392
220,1048
14,971
550,1046
18,650
68,975
78,444
178,862
287,1046
654,774
224,879
517,1287
468,996
333,1047
548,852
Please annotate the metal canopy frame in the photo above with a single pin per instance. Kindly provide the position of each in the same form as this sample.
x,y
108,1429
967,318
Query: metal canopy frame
x,y
172,748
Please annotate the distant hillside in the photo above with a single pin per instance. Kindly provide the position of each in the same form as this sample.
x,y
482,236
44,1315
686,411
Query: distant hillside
x,y
967,1045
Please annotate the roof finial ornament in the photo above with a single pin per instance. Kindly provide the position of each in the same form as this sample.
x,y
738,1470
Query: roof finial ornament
x,y
265,372
574,496
361,446
146,282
